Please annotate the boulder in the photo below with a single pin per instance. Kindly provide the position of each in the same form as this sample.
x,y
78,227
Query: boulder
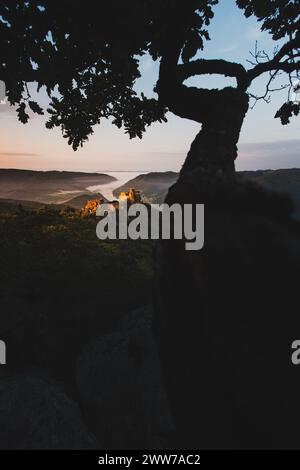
x,y
35,414
121,387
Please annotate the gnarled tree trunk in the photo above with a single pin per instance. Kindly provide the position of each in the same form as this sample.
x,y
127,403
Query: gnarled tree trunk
x,y
225,371
214,149
184,285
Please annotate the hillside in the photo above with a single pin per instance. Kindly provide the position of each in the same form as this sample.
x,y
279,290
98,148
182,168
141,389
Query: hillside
x,y
50,187
58,284
78,202
154,186
11,205
283,181
69,188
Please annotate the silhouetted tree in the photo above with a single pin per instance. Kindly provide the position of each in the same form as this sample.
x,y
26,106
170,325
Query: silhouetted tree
x,y
219,312
87,55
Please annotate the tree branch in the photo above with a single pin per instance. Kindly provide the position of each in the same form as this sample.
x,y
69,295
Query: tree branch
x,y
219,67
259,69
275,63
287,48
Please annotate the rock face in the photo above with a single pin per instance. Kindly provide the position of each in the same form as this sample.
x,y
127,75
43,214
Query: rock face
x,y
37,415
120,385
225,319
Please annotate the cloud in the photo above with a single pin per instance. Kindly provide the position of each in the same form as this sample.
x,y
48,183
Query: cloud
x,y
19,154
251,156
166,153
269,155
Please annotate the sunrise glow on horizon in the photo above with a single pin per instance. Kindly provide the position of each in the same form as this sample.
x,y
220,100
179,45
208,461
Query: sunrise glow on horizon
x,y
264,142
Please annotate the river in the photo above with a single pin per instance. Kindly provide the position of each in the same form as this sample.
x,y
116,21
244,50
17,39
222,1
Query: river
x,y
121,178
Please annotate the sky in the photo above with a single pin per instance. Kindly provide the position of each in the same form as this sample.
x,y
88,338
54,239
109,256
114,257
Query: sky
x,y
264,142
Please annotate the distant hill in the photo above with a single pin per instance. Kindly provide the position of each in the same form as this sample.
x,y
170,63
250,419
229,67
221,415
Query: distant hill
x,y
50,187
36,188
77,202
282,181
11,205
153,185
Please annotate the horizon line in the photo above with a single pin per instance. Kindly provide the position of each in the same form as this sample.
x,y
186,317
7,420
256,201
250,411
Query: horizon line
x,y
134,171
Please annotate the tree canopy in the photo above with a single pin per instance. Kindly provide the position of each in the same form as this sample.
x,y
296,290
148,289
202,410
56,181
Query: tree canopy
x,y
86,55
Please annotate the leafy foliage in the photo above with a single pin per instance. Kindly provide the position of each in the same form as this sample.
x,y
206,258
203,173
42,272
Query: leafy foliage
x,y
286,111
22,115
86,56
279,17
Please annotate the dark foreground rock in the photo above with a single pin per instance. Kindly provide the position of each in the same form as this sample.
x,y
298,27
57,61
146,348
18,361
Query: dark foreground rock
x,y
121,388
37,415
226,317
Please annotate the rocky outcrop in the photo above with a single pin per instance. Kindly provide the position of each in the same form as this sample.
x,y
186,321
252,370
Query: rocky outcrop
x,y
225,319
121,388
35,414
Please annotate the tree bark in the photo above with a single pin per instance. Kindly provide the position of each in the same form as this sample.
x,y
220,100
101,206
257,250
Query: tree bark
x,y
225,374
214,149
184,283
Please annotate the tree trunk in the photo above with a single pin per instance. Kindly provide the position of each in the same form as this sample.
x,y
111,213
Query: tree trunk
x,y
208,322
181,276
214,149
